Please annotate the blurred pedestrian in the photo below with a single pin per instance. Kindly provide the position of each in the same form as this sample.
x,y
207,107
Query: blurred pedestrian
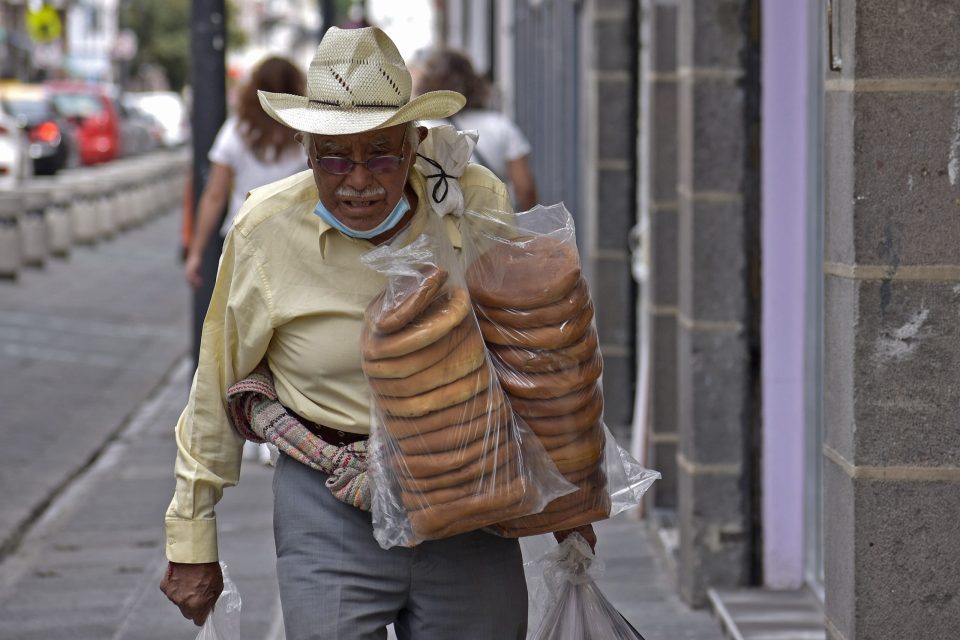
x,y
291,292
501,147
250,150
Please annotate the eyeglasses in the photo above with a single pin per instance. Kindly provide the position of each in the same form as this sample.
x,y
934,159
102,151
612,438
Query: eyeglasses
x,y
338,165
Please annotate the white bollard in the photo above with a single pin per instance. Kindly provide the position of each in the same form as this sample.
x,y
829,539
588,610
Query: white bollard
x,y
59,227
84,213
33,225
10,261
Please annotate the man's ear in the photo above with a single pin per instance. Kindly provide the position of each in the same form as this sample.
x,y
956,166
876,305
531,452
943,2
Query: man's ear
x,y
422,132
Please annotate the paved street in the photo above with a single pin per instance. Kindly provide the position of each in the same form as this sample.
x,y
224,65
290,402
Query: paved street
x,y
93,350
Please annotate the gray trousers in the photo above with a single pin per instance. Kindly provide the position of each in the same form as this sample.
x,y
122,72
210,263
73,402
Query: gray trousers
x,y
336,583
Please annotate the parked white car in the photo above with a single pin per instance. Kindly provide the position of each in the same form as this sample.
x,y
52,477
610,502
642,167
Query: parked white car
x,y
169,110
15,163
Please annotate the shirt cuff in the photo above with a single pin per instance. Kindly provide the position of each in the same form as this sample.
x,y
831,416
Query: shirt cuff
x,y
191,541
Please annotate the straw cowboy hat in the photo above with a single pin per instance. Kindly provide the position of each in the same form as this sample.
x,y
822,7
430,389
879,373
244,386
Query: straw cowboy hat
x,y
357,82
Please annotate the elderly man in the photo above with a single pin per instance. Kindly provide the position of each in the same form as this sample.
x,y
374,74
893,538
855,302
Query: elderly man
x,y
291,289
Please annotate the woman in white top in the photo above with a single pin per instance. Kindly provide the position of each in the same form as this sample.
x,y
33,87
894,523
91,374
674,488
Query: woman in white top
x,y
250,150
501,146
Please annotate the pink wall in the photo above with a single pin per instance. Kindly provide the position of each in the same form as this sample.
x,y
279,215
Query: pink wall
x,y
785,59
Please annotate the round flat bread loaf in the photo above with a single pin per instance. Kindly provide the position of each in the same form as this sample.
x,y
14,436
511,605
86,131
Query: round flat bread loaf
x,y
484,403
577,422
553,384
524,273
393,315
586,491
554,313
542,360
440,462
443,314
495,483
415,362
503,462
552,442
556,336
547,522
454,436
414,501
576,475
440,398
467,356
586,450
473,512
556,406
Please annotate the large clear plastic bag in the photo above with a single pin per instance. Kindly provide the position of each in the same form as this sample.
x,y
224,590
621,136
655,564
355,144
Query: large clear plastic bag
x,y
446,452
223,623
572,606
536,314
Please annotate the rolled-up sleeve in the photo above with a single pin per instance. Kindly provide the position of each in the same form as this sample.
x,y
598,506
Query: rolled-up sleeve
x,y
236,333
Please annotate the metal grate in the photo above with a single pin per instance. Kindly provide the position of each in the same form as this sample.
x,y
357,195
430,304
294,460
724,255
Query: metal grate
x,y
547,80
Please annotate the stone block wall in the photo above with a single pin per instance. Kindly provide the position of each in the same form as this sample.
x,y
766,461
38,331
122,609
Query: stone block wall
x,y
892,339
612,76
717,297
659,175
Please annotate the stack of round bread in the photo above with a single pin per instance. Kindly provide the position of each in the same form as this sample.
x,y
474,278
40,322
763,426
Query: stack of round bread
x,y
456,463
535,313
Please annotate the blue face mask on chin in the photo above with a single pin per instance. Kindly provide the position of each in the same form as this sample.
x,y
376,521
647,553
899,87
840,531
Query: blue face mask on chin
x,y
388,223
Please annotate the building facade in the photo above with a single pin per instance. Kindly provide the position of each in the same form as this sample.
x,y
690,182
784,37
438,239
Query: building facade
x,y
766,197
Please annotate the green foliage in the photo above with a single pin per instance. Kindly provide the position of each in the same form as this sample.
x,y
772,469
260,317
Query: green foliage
x,y
163,32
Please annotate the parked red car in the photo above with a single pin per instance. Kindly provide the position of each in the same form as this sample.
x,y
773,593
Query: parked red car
x,y
91,110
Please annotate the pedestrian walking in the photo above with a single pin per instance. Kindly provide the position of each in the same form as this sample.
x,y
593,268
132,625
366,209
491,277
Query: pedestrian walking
x,y
292,290
501,145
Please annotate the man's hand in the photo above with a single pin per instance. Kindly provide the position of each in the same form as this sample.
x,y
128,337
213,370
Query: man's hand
x,y
193,587
586,531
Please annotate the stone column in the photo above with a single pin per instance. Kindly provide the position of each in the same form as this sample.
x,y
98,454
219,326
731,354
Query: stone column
x,y
613,76
659,199
717,229
892,329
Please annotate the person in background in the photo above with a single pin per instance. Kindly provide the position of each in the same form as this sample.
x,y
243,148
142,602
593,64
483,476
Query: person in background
x,y
501,147
250,150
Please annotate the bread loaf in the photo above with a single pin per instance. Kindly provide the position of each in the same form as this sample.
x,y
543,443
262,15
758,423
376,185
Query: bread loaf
x,y
396,314
524,273
553,313
440,317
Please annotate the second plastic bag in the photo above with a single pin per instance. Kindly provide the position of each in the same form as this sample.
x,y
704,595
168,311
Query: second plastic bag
x,y
447,453
573,606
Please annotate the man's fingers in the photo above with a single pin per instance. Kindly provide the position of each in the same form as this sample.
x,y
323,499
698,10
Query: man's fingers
x,y
197,610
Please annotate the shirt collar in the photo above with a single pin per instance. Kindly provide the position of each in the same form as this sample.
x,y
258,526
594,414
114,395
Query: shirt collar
x,y
419,186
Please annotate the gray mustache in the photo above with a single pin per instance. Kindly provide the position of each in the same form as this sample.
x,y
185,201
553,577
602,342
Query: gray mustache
x,y
370,193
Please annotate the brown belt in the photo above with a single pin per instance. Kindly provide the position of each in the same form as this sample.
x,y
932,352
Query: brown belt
x,y
328,435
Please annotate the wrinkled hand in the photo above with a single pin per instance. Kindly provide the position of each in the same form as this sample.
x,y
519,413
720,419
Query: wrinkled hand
x,y
586,531
193,587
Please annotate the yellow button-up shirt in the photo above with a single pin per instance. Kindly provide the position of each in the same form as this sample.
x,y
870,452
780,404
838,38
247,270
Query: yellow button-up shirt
x,y
293,289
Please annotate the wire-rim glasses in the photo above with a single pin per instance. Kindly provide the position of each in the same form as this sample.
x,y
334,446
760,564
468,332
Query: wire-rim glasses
x,y
340,166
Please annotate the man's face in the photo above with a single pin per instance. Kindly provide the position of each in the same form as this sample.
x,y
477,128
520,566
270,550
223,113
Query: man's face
x,y
360,198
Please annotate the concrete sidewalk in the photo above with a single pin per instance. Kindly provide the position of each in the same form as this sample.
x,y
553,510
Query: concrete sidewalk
x,y
99,348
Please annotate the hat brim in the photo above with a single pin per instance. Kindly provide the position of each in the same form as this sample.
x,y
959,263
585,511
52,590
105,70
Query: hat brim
x,y
297,112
